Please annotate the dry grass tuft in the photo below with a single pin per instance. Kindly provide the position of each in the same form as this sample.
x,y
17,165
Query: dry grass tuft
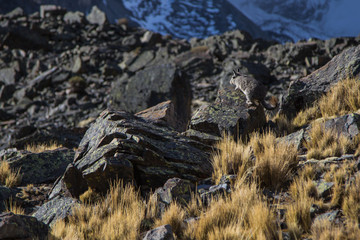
x,y
174,215
242,215
116,217
351,203
8,177
326,143
12,206
231,158
38,148
90,196
324,230
275,160
342,98
283,124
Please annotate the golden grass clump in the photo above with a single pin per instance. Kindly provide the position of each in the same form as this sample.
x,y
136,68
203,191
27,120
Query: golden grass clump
x,y
342,98
242,215
117,217
90,196
174,215
8,177
231,158
283,124
38,148
12,206
275,160
273,165
326,143
324,230
351,202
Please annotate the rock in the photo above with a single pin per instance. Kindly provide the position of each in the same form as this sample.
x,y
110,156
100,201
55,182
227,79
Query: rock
x,y
8,75
160,233
6,92
96,16
5,116
164,114
150,38
119,145
305,91
25,38
51,11
347,125
228,114
5,195
327,216
152,86
42,167
74,17
323,188
206,138
78,66
296,138
14,226
17,12
141,61
55,209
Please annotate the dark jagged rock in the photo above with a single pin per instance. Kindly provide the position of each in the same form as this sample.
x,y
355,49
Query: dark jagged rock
x,y
151,86
228,114
119,145
56,209
14,226
160,233
42,167
305,91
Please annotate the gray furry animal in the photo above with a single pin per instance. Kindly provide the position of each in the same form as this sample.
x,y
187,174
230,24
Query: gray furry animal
x,y
254,90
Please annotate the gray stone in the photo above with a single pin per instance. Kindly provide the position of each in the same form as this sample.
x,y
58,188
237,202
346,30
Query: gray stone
x,y
13,226
119,145
42,167
74,17
56,209
51,10
328,216
17,12
323,188
305,91
8,75
96,16
160,233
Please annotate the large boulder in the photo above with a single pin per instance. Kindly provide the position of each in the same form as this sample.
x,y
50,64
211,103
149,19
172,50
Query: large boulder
x,y
120,145
151,86
13,226
42,167
228,114
305,91
55,209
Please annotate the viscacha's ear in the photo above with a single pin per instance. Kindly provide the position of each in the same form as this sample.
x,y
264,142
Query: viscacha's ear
x,y
234,72
238,70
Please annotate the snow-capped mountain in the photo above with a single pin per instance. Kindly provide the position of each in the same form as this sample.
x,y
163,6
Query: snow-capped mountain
x,y
303,19
282,20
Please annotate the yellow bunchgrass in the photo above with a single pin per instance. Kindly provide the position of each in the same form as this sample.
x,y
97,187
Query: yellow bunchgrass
x,y
174,215
8,177
241,215
342,98
351,203
283,124
118,216
41,147
12,206
325,143
324,230
231,158
271,161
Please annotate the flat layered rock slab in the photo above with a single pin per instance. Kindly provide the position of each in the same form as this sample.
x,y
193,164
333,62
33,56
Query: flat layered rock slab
x,y
120,145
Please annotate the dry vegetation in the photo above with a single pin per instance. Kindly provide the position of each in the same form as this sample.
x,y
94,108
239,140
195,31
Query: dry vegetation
x,y
37,148
325,143
9,177
271,162
245,213
342,98
12,206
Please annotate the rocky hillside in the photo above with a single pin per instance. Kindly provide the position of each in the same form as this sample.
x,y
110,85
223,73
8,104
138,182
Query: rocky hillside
x,y
124,102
